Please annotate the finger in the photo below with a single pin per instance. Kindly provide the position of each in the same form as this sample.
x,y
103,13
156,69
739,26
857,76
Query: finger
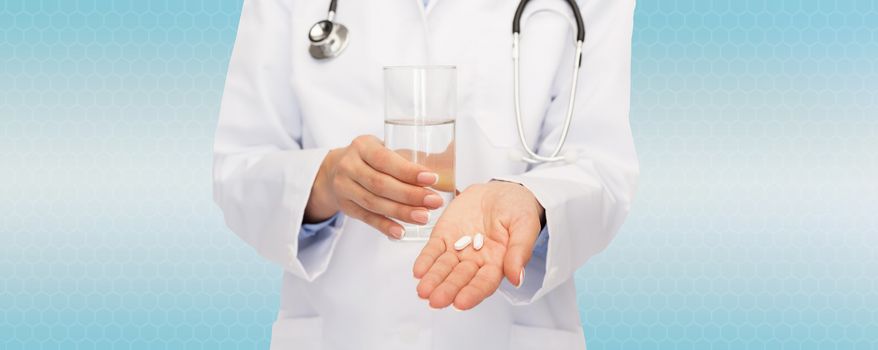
x,y
522,237
485,282
386,161
431,251
369,201
437,273
382,224
445,293
383,185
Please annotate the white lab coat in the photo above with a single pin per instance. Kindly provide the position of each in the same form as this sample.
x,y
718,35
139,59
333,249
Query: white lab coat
x,y
352,289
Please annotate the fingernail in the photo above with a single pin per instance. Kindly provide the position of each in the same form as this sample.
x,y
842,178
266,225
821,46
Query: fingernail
x,y
428,178
520,278
455,308
397,232
432,200
421,216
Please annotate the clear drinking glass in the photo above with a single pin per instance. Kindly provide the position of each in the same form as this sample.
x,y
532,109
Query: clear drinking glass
x,y
420,105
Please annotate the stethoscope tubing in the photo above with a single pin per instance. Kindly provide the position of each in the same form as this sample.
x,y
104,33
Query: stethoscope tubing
x,y
531,156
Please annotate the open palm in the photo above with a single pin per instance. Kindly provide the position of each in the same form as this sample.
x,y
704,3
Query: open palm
x,y
509,217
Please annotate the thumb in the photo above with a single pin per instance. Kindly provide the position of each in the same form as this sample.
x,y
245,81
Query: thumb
x,y
522,237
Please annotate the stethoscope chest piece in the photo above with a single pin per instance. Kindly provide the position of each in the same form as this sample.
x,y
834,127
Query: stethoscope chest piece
x,y
328,39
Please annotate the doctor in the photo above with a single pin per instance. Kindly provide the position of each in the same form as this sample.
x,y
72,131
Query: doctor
x,y
301,174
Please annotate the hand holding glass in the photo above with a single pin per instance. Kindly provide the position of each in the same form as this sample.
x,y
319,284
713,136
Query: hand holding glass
x,y
420,105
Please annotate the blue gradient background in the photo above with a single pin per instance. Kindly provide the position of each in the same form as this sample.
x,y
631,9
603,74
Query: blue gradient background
x,y
755,226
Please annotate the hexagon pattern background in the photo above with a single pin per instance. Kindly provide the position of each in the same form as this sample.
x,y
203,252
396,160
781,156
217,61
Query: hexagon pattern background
x,y
755,225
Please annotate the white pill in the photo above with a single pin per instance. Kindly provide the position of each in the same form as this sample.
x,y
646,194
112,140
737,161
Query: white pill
x,y
463,242
478,241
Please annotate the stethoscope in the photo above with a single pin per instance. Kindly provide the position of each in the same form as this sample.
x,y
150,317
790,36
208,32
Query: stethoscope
x,y
328,38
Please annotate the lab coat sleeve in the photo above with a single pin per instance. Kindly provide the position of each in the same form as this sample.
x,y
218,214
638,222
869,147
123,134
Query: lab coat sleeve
x,y
586,200
262,176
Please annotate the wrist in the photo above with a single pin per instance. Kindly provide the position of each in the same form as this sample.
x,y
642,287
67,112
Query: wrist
x,y
321,201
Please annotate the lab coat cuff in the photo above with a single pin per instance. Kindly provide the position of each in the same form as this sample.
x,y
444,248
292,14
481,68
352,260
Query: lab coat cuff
x,y
314,252
556,266
535,270
581,213
310,255
263,198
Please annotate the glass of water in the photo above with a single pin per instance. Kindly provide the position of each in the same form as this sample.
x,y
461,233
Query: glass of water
x,y
420,105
